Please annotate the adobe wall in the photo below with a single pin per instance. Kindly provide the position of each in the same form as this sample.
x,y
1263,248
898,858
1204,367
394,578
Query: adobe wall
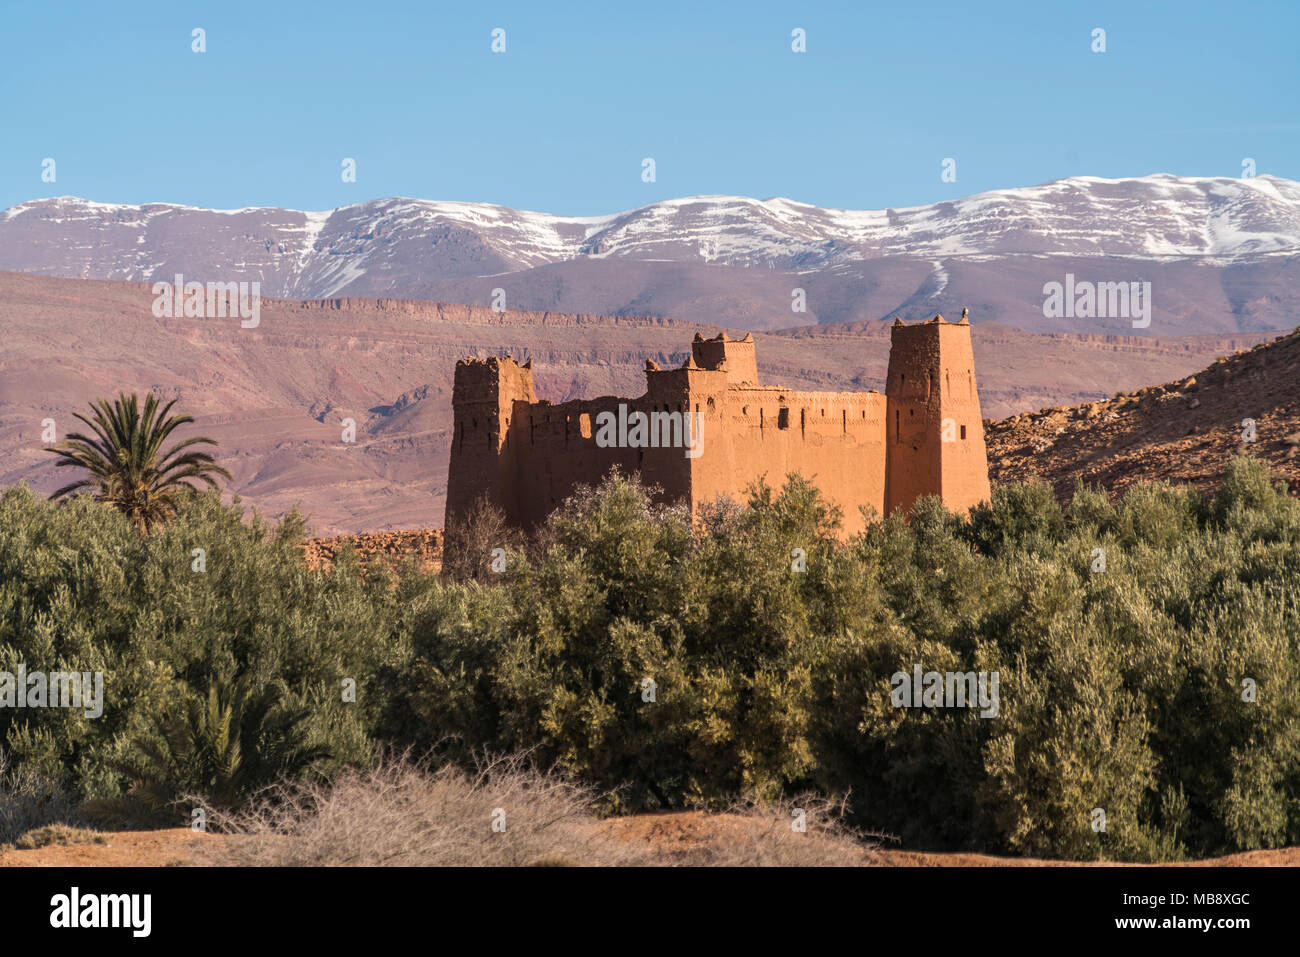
x,y
528,456
559,451
924,436
834,439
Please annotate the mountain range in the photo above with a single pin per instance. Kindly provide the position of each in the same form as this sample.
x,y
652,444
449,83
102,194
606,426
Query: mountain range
x,y
1222,255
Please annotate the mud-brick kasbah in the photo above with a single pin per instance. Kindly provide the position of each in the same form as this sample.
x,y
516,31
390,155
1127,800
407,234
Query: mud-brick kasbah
x,y
924,436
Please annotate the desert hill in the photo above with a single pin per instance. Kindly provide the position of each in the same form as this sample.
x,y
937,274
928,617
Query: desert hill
x,y
276,397
1183,431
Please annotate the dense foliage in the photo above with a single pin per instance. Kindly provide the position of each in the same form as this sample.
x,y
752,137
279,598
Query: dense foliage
x,y
749,656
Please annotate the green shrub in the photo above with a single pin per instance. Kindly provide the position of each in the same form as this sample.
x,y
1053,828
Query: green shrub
x,y
1120,682
1147,651
81,590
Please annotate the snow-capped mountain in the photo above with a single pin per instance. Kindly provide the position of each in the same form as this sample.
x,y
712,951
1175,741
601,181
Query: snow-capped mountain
x,y
409,248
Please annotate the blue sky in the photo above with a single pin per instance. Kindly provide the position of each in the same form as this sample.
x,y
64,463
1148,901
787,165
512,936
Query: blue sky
x,y
585,91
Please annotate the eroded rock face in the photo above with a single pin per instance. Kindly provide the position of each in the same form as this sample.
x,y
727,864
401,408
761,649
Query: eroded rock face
x,y
710,429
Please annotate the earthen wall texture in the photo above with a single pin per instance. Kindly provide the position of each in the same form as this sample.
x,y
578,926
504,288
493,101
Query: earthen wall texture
x,y
863,450
484,398
834,439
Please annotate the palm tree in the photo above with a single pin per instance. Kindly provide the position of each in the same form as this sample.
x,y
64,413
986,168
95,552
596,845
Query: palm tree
x,y
222,746
127,466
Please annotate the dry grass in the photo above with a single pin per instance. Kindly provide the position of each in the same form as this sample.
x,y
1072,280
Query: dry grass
x,y
401,813
765,835
805,832
60,834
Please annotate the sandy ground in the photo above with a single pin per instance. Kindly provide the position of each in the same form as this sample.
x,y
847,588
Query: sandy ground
x,y
166,848
679,833
682,829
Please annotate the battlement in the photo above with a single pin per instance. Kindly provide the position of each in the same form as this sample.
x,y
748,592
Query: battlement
x,y
734,356
710,429
486,380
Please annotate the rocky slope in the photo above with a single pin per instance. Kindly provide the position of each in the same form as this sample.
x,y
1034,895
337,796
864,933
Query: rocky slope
x,y
1183,431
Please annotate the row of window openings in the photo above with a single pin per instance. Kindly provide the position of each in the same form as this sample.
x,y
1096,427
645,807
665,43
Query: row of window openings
x,y
783,418
782,422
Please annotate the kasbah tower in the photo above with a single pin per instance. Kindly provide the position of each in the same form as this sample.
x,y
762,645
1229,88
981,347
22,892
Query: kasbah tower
x,y
924,436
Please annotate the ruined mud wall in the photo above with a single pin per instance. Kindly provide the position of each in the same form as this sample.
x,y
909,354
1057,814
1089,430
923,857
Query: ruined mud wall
x,y
557,450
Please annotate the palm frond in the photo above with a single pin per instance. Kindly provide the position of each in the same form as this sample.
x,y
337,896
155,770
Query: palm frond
x,y
129,470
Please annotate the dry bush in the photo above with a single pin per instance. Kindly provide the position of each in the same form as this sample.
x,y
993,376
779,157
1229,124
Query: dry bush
x,y
400,813
766,837
469,540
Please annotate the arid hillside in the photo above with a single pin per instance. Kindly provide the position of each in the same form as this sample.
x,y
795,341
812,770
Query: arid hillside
x,y
277,397
1184,431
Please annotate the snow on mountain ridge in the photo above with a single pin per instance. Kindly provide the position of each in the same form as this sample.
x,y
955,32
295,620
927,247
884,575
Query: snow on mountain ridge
x,y
316,254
